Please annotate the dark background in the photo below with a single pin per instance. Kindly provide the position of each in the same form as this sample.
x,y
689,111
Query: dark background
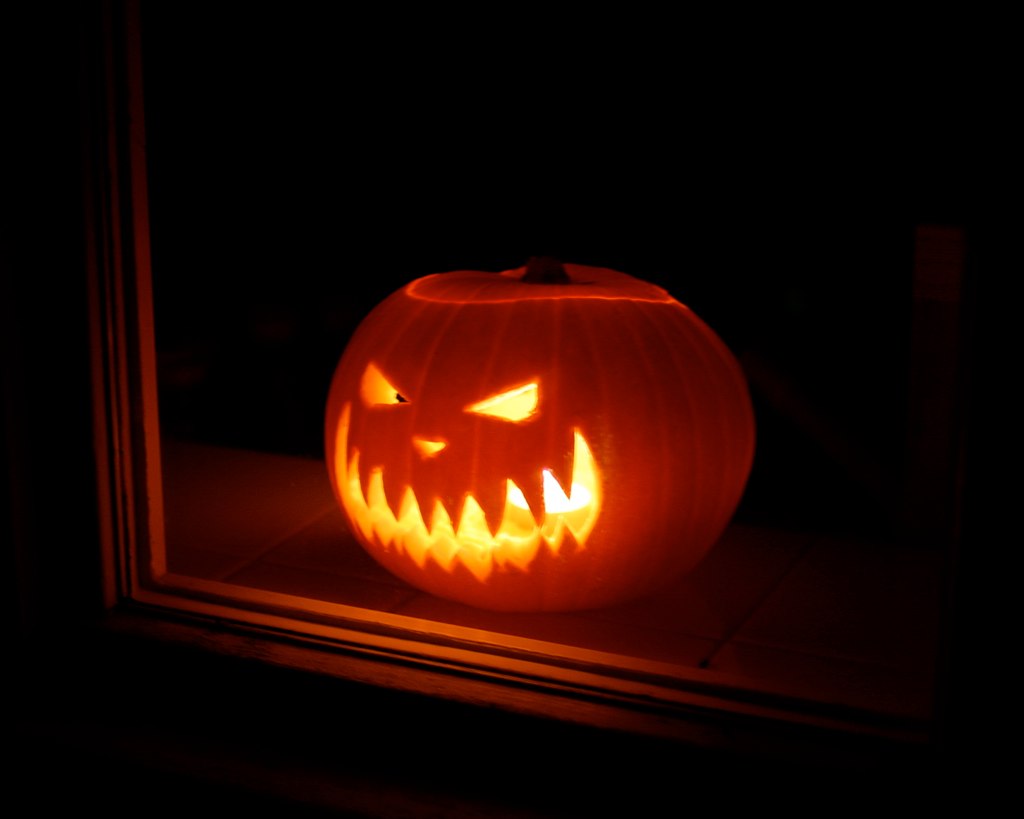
x,y
304,165
773,188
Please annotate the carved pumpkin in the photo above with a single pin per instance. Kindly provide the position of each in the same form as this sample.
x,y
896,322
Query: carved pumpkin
x,y
535,440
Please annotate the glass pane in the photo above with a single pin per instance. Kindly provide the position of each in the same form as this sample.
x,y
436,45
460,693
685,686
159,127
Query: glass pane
x,y
296,180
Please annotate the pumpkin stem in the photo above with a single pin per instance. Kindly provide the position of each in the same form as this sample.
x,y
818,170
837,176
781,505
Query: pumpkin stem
x,y
545,270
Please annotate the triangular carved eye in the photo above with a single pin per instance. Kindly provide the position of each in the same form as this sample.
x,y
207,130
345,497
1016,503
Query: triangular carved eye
x,y
376,390
516,404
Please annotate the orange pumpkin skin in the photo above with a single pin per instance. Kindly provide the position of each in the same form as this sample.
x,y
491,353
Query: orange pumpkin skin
x,y
605,370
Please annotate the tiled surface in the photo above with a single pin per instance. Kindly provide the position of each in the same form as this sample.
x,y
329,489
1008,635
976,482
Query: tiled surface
x,y
857,620
852,600
234,502
828,619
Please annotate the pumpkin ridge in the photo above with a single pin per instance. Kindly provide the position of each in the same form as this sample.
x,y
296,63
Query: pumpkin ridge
x,y
647,396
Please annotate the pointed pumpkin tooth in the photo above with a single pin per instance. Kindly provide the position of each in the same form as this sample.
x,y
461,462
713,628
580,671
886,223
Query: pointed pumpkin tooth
x,y
555,499
490,496
353,484
408,505
584,469
394,489
585,495
381,517
415,537
375,496
355,500
515,496
473,525
517,521
440,521
365,474
352,474
410,519
529,493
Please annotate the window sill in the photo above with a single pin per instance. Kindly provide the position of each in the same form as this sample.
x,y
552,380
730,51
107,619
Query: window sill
x,y
775,627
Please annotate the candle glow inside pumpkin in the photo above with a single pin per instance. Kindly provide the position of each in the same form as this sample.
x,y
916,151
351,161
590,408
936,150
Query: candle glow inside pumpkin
x,y
544,443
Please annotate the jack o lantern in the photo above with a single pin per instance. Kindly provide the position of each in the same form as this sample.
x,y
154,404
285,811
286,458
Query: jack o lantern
x,y
547,438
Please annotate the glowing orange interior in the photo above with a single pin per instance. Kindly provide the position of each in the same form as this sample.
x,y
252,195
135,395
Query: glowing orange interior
x,y
431,533
516,404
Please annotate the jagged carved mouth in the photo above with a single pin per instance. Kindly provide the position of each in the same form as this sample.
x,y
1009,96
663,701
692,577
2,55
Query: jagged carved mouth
x,y
563,525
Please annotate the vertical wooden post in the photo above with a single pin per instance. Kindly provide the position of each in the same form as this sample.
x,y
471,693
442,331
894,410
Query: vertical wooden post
x,y
936,382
